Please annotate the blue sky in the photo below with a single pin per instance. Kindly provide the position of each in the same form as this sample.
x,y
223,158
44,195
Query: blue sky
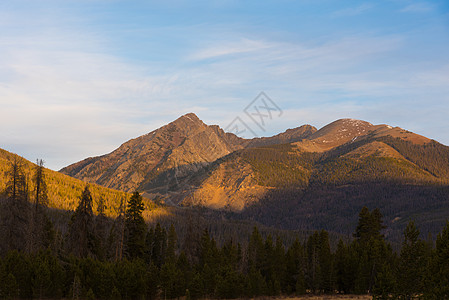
x,y
78,78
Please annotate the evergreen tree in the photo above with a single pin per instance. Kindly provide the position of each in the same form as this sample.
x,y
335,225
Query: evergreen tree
x,y
170,276
385,283
170,255
256,250
313,262
345,267
48,275
412,263
135,226
149,242
101,228
325,259
369,226
372,251
130,278
81,239
295,262
159,245
19,266
152,281
186,272
438,276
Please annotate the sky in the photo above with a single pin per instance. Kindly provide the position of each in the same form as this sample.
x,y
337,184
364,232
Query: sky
x,y
79,78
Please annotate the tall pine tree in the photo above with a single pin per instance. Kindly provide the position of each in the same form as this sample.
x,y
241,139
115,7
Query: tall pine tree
x,y
135,226
412,263
81,238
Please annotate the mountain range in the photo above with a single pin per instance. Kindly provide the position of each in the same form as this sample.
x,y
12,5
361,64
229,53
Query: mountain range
x,y
301,178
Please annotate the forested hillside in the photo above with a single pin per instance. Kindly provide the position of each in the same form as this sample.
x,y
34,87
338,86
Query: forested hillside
x,y
130,260
63,194
63,190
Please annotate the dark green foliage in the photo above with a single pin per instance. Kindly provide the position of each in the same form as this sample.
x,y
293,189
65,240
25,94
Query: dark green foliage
x,y
9,287
159,245
263,268
135,227
81,239
432,157
369,226
413,261
295,266
438,272
20,273
48,275
170,253
280,165
131,278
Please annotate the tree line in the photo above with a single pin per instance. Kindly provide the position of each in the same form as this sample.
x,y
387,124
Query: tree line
x,y
130,260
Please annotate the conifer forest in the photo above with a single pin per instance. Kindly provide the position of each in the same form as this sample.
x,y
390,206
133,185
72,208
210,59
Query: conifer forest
x,y
98,257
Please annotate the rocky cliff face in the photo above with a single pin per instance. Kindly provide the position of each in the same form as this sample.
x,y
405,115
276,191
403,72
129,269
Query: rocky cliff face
x,y
159,160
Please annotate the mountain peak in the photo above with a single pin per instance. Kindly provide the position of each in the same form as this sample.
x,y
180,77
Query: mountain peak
x,y
189,116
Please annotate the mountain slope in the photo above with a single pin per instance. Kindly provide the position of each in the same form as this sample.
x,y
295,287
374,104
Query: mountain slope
x,y
346,151
302,178
173,151
64,191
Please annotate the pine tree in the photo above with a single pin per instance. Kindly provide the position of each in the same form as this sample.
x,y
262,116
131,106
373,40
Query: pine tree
x,y
152,281
325,259
412,263
438,277
313,262
159,245
255,250
371,249
81,239
191,243
369,225
101,228
295,262
135,226
170,255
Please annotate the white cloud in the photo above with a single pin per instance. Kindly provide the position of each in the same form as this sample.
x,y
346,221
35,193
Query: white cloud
x,y
420,7
223,48
352,11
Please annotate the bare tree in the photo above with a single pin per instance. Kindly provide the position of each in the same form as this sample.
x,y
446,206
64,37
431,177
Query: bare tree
x,y
40,185
15,214
41,231
116,238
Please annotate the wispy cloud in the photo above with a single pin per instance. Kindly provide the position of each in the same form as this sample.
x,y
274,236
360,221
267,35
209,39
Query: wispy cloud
x,y
420,7
353,11
226,48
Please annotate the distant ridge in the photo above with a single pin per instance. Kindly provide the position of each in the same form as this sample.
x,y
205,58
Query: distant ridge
x,y
184,145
